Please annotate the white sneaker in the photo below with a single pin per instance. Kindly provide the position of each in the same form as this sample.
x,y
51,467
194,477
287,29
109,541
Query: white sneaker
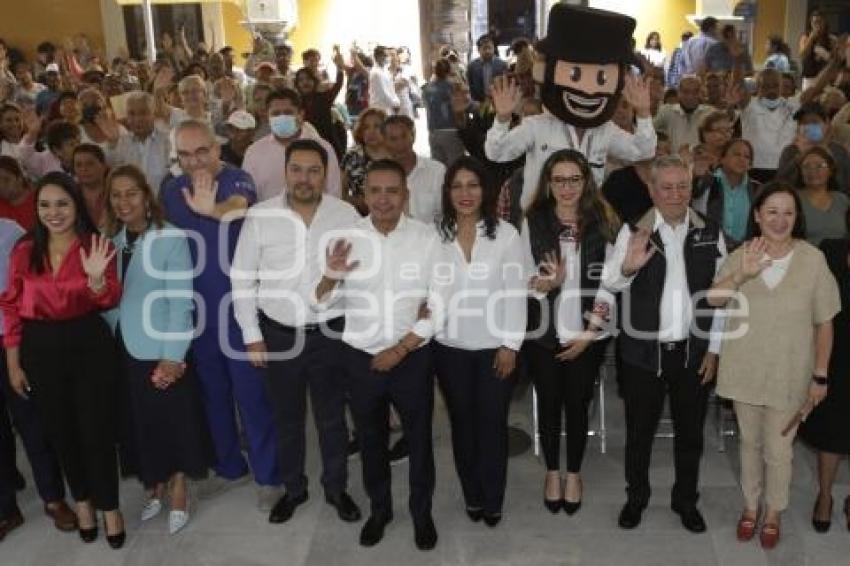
x,y
177,520
151,509
267,496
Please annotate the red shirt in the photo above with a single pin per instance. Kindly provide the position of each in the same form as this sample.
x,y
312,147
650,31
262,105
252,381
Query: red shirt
x,y
23,214
45,296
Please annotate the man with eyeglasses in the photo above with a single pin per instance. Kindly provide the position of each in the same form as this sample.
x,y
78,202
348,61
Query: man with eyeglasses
x,y
663,265
209,201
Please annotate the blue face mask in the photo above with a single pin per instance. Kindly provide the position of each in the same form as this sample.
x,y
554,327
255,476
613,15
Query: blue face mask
x,y
813,132
284,125
770,104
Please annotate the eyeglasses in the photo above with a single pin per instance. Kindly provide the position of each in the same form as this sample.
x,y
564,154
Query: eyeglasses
x,y
200,154
815,167
574,182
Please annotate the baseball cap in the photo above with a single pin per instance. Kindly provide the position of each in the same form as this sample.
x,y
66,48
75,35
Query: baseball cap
x,y
51,68
242,120
263,65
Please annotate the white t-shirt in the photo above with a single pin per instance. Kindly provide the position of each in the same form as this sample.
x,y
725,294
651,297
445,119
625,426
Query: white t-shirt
x,y
774,273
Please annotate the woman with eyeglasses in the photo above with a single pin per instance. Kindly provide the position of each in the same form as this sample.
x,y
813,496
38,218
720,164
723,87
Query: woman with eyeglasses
x,y
59,350
715,131
568,232
824,205
480,328
169,431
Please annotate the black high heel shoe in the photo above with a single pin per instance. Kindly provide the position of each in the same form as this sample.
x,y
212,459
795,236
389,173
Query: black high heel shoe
x,y
553,505
115,541
492,519
570,507
475,514
88,535
819,525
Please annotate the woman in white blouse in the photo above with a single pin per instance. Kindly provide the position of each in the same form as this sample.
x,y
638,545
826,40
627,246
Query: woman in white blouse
x,y
480,319
568,231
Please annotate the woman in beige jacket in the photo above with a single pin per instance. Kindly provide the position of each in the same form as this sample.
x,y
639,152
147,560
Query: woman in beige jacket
x,y
780,298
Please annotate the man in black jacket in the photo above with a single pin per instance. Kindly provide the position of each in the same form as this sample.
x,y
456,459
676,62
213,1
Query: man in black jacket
x,y
663,266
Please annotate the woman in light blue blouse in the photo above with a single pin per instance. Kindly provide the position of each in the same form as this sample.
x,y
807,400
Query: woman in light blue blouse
x,y
154,327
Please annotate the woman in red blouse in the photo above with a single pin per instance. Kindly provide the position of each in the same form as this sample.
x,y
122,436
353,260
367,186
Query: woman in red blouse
x,y
60,351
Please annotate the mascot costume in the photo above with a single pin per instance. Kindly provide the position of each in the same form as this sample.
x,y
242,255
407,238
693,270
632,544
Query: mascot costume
x,y
583,69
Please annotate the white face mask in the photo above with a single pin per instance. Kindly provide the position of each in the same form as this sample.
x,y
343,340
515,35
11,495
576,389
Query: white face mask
x,y
770,104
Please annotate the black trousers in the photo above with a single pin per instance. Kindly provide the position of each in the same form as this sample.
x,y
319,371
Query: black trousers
x,y
72,368
27,422
410,388
564,388
644,393
317,365
478,401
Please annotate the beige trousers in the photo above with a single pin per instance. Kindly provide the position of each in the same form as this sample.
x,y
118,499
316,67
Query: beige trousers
x,y
766,455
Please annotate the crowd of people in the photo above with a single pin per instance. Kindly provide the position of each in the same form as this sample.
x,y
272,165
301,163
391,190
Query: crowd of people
x,y
188,248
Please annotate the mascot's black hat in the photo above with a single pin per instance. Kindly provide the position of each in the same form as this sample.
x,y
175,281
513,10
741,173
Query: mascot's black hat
x,y
587,35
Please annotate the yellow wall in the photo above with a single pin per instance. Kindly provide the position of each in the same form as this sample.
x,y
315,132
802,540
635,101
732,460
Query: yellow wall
x,y
770,20
235,35
30,22
667,17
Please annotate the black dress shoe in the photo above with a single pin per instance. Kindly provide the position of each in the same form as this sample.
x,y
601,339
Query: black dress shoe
x,y
285,507
691,517
345,507
492,519
630,515
475,514
570,507
553,505
425,533
373,530
819,525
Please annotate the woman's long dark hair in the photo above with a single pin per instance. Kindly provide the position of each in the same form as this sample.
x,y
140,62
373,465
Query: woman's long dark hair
x,y
489,199
593,209
769,189
39,234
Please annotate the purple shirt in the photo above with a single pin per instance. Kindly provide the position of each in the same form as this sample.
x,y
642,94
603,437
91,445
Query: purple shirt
x,y
213,281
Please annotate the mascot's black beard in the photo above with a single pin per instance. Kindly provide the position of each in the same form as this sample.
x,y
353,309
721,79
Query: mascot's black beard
x,y
576,107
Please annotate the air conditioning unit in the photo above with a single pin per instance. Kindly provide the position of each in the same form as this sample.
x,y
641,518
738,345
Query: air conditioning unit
x,y
272,11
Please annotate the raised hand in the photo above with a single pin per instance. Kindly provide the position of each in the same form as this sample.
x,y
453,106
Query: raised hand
x,y
734,95
97,260
201,199
108,125
552,271
754,259
506,97
638,252
32,124
337,266
636,93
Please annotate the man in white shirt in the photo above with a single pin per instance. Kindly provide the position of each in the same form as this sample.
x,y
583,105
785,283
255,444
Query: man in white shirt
x,y
425,176
265,158
142,144
669,339
693,52
382,92
681,122
275,267
383,271
767,123
27,89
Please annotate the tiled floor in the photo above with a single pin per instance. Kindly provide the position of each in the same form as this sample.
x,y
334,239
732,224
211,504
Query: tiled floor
x,y
228,530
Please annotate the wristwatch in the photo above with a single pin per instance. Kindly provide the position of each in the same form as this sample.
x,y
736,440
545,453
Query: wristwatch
x,y
820,380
